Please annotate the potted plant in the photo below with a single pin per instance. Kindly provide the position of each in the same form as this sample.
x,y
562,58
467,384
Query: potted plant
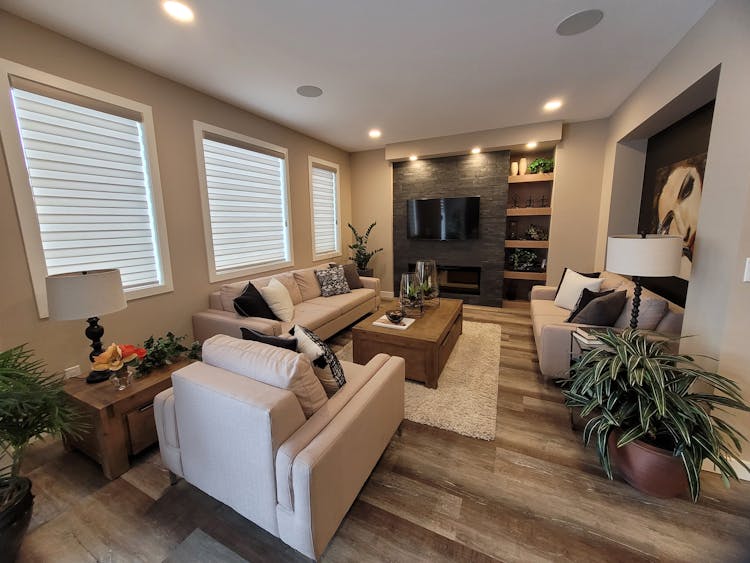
x,y
522,260
32,404
646,414
542,165
362,256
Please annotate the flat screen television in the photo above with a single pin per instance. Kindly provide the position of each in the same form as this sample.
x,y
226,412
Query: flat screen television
x,y
444,218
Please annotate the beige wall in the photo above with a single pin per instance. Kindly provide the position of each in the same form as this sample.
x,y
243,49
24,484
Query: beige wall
x,y
174,108
575,198
372,200
718,303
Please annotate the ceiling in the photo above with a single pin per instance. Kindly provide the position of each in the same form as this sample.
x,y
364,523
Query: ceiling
x,y
413,68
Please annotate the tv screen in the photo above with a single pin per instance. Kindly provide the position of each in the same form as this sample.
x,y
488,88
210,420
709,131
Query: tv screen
x,y
445,218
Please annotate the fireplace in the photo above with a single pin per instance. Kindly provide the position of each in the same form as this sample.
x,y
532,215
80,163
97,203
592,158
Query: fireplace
x,y
464,280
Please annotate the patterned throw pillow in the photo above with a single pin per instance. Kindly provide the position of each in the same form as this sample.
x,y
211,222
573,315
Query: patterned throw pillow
x,y
332,281
325,363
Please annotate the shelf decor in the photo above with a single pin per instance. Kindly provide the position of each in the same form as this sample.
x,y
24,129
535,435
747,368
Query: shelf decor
x,y
412,300
522,165
428,275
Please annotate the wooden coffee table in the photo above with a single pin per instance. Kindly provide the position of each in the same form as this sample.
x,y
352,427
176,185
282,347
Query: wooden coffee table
x,y
425,345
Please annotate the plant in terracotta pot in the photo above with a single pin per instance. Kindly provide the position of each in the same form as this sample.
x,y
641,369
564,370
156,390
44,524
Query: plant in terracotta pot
x,y
362,256
33,405
649,418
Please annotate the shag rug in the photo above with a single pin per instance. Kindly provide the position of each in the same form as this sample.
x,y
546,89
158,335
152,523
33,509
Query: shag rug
x,y
465,400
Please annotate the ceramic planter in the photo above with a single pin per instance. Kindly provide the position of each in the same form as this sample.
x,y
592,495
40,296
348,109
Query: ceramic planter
x,y
14,520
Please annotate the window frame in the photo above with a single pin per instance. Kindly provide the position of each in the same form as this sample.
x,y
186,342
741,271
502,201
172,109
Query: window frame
x,y
10,134
199,130
312,161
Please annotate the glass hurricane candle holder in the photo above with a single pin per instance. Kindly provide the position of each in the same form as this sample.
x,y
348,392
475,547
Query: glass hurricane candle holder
x,y
411,295
428,275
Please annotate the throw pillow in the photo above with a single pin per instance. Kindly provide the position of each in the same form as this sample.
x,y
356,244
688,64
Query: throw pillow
x,y
586,297
332,281
278,341
602,311
325,363
650,312
252,304
589,275
278,299
308,284
351,275
290,283
571,288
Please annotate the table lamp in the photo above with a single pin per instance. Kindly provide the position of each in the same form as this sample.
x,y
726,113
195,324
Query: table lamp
x,y
653,256
86,295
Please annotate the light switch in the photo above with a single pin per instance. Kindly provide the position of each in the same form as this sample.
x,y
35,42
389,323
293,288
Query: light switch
x,y
746,277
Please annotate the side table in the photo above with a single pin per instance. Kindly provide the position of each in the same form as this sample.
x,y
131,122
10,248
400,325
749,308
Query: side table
x,y
121,423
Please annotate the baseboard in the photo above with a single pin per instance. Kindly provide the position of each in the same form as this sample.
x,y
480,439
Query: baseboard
x,y
742,473
386,295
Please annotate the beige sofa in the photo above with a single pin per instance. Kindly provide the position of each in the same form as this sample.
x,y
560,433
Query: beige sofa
x,y
552,333
325,315
249,445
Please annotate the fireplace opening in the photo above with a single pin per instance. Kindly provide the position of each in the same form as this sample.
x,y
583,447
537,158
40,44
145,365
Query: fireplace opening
x,y
457,279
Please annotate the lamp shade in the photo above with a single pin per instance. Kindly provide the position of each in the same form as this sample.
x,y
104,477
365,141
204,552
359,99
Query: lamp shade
x,y
655,256
82,295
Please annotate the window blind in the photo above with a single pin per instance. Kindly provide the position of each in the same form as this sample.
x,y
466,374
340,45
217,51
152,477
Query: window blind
x,y
247,207
89,178
325,212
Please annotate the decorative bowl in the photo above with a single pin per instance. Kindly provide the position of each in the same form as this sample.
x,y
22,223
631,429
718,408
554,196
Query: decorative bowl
x,y
395,315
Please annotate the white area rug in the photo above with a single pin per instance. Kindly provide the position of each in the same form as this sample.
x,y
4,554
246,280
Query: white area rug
x,y
465,401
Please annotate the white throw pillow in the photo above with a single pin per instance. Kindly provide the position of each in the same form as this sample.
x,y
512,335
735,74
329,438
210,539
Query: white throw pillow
x,y
278,299
571,288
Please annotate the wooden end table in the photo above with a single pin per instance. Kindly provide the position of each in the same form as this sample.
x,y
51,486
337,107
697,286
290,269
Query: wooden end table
x,y
425,345
121,423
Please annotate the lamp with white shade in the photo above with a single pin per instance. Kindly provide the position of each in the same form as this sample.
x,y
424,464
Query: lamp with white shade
x,y
86,295
638,256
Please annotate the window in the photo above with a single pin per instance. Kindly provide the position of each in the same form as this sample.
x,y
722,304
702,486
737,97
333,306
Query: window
x,y
324,195
88,196
245,203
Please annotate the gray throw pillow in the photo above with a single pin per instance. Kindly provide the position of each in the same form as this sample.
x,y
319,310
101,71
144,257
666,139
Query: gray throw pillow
x,y
602,311
332,281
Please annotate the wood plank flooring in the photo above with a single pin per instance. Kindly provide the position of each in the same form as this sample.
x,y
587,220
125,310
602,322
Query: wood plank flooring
x,y
533,494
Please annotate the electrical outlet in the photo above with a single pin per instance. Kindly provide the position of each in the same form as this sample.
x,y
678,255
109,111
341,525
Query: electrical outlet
x,y
746,277
72,371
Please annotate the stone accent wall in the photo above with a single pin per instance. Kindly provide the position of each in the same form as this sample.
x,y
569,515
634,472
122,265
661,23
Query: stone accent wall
x,y
484,175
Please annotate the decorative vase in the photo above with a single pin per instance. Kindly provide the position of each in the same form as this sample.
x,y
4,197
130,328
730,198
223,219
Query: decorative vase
x,y
412,303
122,378
522,166
428,276
514,169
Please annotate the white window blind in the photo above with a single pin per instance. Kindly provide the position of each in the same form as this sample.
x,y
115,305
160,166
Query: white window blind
x,y
89,178
324,188
246,192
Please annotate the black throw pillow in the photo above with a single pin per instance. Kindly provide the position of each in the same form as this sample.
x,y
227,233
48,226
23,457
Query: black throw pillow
x,y
252,304
278,341
587,296
603,311
589,275
351,275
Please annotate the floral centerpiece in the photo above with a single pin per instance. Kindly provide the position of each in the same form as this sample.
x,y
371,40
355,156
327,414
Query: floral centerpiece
x,y
120,361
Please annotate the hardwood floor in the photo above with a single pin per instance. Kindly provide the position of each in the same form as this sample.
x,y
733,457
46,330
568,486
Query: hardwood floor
x,y
534,494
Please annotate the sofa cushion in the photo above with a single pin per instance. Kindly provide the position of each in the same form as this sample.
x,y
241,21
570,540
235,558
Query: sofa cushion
x,y
273,366
345,301
614,281
279,341
651,311
288,281
313,315
603,310
351,274
278,299
229,292
252,304
332,281
326,365
308,284
571,288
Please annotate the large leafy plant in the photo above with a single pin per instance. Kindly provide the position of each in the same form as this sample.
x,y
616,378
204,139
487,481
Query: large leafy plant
x,y
635,385
361,256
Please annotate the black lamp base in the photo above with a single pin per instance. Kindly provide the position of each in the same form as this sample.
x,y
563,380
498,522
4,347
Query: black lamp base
x,y
97,376
94,332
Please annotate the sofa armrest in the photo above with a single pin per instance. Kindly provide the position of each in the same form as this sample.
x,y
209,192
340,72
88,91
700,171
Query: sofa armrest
x,y
212,322
166,430
543,292
374,284
329,472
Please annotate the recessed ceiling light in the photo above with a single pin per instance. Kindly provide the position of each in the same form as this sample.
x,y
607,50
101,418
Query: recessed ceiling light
x,y
374,133
531,145
178,11
579,22
476,150
552,105
413,157
309,91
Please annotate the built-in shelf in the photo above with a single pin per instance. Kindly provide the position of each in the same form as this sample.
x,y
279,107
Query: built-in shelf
x,y
528,211
525,178
526,243
537,276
